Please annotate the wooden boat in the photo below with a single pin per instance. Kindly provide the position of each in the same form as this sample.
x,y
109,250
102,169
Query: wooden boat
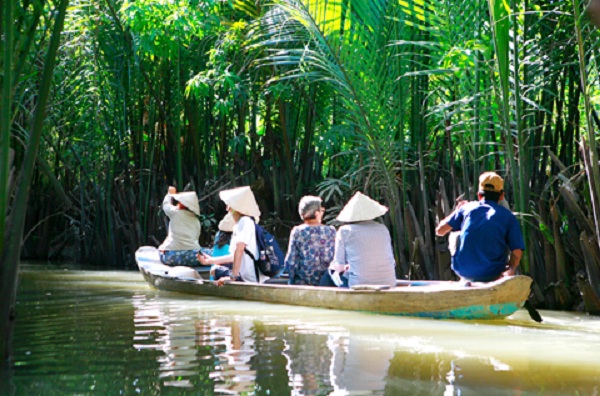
x,y
431,299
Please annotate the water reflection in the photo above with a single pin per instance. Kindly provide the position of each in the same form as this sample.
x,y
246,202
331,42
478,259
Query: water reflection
x,y
240,355
310,360
108,333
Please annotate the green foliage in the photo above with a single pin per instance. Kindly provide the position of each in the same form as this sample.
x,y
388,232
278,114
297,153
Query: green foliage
x,y
161,27
406,101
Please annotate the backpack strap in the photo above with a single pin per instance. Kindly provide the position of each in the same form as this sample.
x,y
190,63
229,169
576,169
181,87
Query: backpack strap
x,y
249,254
255,266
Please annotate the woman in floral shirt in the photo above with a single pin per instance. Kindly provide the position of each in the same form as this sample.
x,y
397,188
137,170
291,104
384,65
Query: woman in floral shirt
x,y
311,244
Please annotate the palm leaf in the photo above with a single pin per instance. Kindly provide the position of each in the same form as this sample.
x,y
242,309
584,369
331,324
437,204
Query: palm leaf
x,y
345,46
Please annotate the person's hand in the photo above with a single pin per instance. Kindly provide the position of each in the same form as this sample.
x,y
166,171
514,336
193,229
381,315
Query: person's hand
x,y
172,190
460,203
509,272
338,267
221,281
203,258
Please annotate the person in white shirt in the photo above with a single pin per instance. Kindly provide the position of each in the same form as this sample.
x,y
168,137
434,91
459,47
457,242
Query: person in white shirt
x,y
181,246
244,209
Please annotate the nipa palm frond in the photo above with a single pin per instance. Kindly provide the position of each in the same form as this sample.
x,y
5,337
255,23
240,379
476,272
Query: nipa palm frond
x,y
345,45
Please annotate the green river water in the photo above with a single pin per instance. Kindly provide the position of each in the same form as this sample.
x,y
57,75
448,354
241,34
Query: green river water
x,y
108,333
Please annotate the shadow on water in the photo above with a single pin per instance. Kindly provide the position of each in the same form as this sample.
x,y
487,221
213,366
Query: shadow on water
x,y
107,332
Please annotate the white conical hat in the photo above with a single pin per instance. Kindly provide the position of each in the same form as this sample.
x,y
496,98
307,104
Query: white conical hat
x,y
241,200
360,208
189,199
227,223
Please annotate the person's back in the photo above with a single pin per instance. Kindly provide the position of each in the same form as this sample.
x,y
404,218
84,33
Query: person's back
x,y
488,230
367,248
491,243
181,246
184,231
221,246
309,253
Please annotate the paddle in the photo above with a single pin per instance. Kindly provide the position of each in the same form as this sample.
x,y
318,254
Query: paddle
x,y
533,313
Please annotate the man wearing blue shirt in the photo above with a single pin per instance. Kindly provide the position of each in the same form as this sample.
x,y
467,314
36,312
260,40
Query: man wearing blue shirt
x,y
488,231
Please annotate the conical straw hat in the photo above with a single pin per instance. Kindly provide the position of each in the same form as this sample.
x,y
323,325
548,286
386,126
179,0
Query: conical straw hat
x,y
242,200
189,199
360,208
227,223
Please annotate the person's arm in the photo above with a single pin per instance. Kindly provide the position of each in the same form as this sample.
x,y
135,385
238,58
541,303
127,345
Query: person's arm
x,y
238,255
339,255
516,245
166,205
205,259
443,227
513,262
291,257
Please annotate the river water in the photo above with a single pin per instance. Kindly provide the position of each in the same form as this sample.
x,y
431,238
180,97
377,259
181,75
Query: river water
x,y
108,333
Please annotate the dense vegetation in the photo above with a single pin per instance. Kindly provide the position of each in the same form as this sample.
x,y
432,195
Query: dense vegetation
x,y
407,101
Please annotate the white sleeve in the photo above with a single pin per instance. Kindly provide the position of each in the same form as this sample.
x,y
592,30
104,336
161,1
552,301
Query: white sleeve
x,y
246,231
167,207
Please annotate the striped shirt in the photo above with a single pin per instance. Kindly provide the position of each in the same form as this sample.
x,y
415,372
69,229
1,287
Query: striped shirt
x,y
367,247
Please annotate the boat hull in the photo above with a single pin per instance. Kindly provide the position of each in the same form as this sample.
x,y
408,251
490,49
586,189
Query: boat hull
x,y
441,300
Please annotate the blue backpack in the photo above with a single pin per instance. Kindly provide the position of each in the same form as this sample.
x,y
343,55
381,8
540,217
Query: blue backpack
x,y
271,259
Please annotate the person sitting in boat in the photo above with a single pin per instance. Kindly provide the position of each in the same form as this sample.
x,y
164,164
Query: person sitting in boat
x,y
243,208
487,230
454,236
311,246
363,247
223,236
181,245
